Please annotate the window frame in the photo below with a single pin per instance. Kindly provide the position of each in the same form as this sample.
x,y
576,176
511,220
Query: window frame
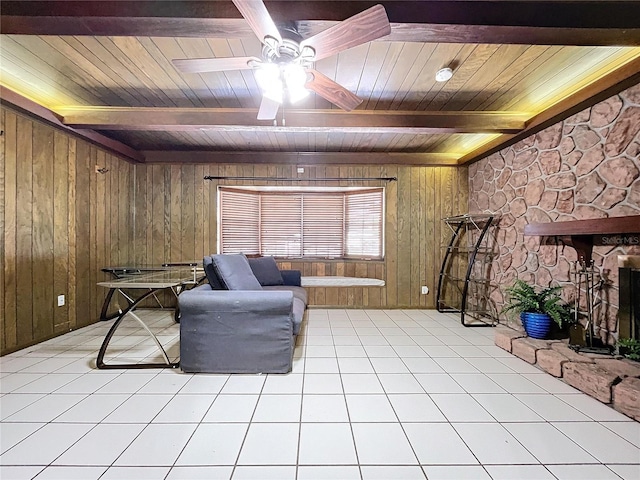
x,y
312,192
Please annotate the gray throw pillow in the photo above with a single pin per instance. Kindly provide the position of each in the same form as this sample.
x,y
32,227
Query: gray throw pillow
x,y
234,270
266,271
212,275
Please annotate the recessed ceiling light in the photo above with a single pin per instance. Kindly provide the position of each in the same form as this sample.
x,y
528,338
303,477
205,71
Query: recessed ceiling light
x,y
444,74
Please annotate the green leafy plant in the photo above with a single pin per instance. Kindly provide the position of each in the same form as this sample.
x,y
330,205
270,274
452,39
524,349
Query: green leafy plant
x,y
630,348
524,298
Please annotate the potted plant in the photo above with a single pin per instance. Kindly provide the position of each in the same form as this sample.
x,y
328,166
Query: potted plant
x,y
629,348
537,309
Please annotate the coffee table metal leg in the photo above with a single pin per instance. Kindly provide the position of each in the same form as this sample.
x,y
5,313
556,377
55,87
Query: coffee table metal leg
x,y
103,348
151,334
104,315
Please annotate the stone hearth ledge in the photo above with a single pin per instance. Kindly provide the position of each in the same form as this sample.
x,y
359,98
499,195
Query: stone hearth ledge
x,y
613,381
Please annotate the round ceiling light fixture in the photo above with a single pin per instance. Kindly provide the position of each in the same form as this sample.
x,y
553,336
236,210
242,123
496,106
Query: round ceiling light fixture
x,y
444,74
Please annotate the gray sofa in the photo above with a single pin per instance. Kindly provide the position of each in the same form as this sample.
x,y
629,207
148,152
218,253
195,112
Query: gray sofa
x,y
245,320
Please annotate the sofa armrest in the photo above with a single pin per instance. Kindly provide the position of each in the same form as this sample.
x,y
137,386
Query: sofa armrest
x,y
293,278
203,299
223,331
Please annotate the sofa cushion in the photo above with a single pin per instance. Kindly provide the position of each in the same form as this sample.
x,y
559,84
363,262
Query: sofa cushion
x,y
266,271
212,275
235,272
297,314
298,292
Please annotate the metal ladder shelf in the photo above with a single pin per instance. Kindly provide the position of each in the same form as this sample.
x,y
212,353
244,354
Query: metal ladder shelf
x,y
468,250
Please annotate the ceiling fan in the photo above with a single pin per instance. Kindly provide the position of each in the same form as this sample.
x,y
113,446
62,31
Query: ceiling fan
x,y
287,60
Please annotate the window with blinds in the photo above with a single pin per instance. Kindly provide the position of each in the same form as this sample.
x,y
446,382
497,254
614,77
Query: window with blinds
x,y
312,223
241,213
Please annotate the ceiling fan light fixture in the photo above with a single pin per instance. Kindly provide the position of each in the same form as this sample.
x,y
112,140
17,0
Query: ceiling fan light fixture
x,y
297,93
294,75
267,74
444,74
274,93
295,78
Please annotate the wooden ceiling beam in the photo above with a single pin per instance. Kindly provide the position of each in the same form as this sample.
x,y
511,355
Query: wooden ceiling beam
x,y
549,13
301,158
12,99
244,119
548,22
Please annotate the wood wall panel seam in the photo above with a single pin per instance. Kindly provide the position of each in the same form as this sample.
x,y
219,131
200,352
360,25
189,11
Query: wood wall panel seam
x,y
93,232
24,225
42,231
102,222
8,298
72,285
61,232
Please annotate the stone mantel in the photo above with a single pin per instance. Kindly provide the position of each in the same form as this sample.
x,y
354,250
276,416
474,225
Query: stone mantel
x,y
580,233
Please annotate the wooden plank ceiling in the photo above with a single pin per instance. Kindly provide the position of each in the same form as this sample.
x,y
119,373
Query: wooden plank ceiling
x,y
106,66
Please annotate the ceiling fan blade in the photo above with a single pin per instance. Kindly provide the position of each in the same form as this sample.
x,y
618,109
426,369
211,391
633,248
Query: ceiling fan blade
x,y
198,65
332,91
268,109
256,14
364,27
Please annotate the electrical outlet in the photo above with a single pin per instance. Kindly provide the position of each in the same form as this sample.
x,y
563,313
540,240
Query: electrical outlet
x,y
61,300
425,290
300,169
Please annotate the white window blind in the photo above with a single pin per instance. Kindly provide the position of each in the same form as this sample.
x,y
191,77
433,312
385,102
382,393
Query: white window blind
x,y
363,224
294,224
239,233
323,225
281,225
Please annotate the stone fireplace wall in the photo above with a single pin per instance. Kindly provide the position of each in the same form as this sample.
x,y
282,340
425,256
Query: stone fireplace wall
x,y
584,167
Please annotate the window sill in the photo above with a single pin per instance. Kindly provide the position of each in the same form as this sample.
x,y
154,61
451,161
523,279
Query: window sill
x,y
336,281
328,260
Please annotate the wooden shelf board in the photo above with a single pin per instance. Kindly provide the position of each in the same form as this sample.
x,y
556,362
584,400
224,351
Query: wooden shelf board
x,y
596,226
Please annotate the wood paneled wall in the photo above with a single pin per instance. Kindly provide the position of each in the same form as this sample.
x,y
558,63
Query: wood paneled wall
x,y
176,220
60,223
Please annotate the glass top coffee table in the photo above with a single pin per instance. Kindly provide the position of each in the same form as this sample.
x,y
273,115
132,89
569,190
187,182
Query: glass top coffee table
x,y
147,282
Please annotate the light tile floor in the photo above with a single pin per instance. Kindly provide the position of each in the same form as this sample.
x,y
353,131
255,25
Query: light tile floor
x,y
374,394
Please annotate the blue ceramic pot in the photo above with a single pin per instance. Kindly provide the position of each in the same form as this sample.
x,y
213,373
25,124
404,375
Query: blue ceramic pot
x,y
537,325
